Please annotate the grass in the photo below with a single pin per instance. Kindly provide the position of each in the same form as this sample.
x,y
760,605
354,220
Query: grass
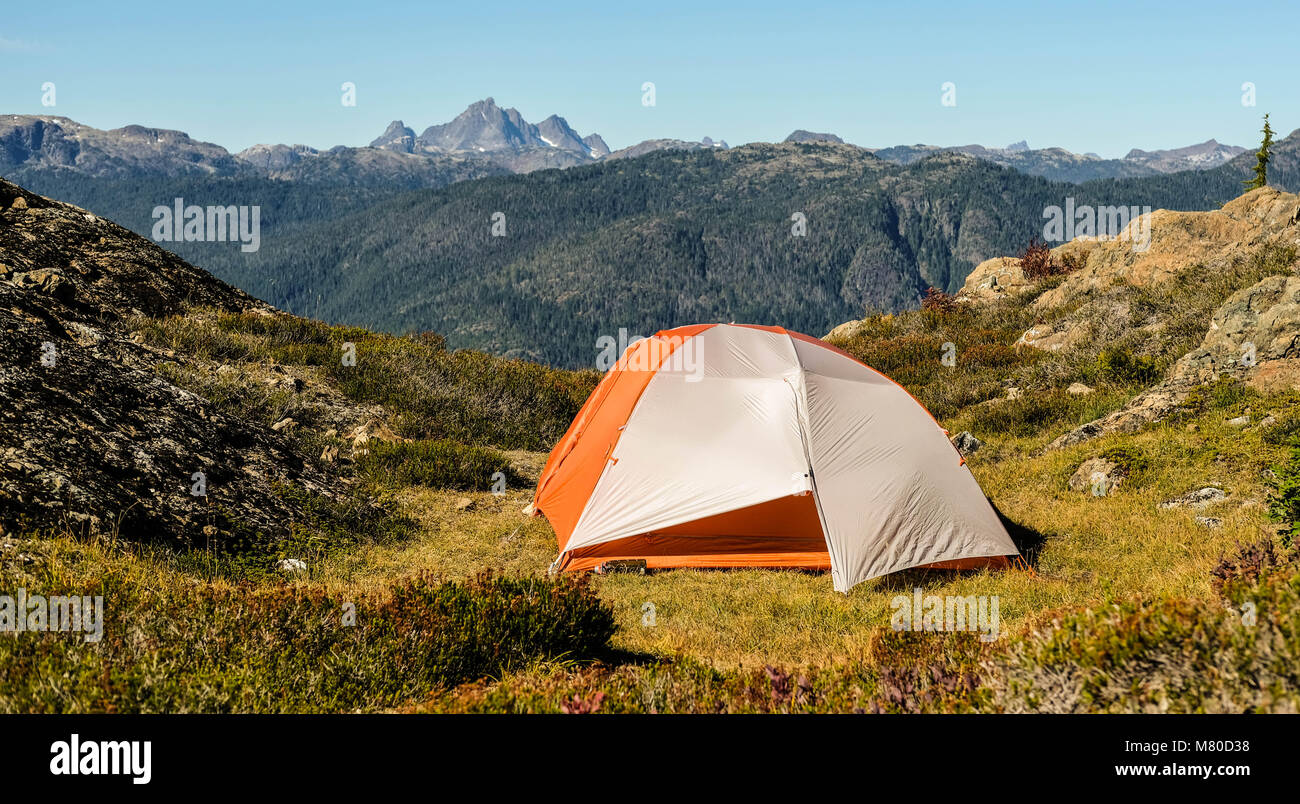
x,y
437,464
430,393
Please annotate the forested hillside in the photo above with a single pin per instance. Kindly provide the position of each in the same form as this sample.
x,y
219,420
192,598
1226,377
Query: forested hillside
x,y
673,238
668,238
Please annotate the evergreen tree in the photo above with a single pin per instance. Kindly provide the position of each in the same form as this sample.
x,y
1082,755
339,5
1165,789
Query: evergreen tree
x,y
1261,159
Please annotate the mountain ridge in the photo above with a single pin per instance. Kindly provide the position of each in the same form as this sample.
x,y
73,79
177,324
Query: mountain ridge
x,y
500,138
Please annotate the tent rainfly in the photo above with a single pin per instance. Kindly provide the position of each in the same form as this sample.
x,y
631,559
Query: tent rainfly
x,y
722,445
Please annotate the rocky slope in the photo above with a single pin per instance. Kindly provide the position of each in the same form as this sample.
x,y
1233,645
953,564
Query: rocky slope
x,y
32,143
95,438
1058,164
1253,335
1201,156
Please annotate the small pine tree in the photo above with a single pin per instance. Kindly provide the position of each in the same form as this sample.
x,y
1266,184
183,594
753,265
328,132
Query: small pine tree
x,y
1261,159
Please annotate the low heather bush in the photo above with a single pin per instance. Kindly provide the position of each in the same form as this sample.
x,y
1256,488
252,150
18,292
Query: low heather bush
x,y
291,648
1248,564
1163,656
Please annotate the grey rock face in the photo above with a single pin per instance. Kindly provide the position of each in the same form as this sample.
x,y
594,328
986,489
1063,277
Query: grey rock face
x,y
799,135
93,436
596,145
276,157
397,137
37,142
555,132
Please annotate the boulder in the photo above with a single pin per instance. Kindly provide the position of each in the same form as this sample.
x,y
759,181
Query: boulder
x,y
293,566
844,331
1199,499
1053,339
993,278
966,443
1097,476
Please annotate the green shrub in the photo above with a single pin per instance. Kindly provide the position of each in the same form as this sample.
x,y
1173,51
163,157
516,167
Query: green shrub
x,y
436,464
290,649
1224,393
326,527
1131,463
1120,366
1286,430
1032,413
909,672
1284,500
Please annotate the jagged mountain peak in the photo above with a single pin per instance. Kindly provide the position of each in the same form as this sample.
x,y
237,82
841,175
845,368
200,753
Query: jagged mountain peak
x,y
397,137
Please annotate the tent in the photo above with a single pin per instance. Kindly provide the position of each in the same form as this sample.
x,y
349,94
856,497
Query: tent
x,y
721,445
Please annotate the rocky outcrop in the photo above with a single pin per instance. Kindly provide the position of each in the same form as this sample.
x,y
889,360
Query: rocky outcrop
x,y
993,278
1254,336
1199,499
1178,241
93,436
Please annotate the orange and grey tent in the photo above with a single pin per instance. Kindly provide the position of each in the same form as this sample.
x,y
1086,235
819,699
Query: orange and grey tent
x,y
720,445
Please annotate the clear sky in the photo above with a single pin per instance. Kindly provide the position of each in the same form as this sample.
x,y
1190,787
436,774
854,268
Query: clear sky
x,y
1096,76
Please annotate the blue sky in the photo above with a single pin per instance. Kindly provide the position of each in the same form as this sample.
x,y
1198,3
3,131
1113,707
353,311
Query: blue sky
x,y
1104,77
